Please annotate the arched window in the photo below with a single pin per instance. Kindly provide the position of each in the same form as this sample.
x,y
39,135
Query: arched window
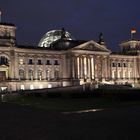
x,y
113,74
39,74
124,74
56,74
30,74
21,74
48,74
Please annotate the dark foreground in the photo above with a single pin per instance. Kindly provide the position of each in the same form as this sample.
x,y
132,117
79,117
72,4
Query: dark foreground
x,y
25,123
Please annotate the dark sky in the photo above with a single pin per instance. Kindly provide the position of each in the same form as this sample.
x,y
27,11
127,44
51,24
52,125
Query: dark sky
x,y
84,19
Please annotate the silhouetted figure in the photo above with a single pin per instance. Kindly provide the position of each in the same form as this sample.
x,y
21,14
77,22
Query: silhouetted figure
x,y
101,39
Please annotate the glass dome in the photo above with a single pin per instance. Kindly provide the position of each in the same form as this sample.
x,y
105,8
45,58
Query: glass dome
x,y
52,36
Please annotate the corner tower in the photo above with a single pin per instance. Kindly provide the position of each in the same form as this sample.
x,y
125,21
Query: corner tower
x,y
7,35
131,47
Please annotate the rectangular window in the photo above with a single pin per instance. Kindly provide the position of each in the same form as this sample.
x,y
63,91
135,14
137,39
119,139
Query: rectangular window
x,y
48,62
124,64
30,61
3,61
39,62
56,62
113,64
119,64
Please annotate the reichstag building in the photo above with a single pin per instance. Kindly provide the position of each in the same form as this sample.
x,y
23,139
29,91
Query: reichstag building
x,y
60,60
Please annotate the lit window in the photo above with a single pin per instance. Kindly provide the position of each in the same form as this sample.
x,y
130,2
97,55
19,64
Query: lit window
x,y
31,87
48,74
124,74
3,88
22,87
113,74
21,61
30,74
39,74
56,74
49,86
21,74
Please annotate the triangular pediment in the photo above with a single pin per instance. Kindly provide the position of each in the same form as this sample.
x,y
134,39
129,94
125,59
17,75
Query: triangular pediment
x,y
91,46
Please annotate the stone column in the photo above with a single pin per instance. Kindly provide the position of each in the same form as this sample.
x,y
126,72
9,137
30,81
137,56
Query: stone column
x,y
85,67
122,69
26,67
77,67
89,68
64,66
44,68
106,69
95,68
116,69
110,65
81,67
102,68
35,68
135,70
73,67
12,64
16,71
92,68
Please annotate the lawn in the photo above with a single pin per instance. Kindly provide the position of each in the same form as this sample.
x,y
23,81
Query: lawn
x,y
71,104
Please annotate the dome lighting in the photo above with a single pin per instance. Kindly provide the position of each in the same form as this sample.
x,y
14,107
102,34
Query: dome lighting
x,y
51,37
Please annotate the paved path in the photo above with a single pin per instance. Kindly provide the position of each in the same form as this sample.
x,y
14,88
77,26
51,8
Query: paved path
x,y
25,123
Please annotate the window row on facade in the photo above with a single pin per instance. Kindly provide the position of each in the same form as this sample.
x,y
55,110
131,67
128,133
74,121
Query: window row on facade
x,y
49,75
122,74
119,64
39,62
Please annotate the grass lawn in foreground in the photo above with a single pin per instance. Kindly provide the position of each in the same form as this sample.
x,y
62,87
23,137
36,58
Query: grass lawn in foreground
x,y
71,104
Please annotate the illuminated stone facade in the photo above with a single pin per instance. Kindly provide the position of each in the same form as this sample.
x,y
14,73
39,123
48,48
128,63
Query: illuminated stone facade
x,y
65,62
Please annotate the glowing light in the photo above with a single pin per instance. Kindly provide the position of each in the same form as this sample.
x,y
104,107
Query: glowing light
x,y
83,111
78,68
3,88
22,87
51,37
49,86
85,66
21,61
31,87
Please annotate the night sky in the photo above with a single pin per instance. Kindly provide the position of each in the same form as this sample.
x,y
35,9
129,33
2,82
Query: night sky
x,y
84,19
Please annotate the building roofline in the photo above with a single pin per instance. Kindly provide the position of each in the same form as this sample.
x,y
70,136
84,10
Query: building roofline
x,y
7,24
